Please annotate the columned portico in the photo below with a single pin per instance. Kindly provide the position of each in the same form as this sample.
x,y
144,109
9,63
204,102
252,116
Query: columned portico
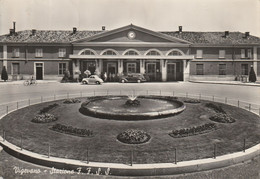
x,y
186,70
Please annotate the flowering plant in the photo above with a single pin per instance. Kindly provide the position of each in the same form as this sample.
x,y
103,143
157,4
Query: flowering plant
x,y
133,136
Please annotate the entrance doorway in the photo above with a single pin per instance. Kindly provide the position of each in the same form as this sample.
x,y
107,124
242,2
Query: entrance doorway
x,y
39,71
151,71
171,72
89,65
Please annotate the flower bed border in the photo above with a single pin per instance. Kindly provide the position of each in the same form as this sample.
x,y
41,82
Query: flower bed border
x,y
141,142
71,133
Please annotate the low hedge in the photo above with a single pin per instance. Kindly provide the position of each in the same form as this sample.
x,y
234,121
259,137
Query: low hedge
x,y
193,130
222,118
133,136
71,100
44,118
72,130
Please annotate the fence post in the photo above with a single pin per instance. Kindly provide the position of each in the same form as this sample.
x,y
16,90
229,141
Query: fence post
x,y
238,103
6,109
175,155
132,157
17,105
244,146
87,156
21,142
215,150
213,98
249,107
225,100
54,97
49,150
3,135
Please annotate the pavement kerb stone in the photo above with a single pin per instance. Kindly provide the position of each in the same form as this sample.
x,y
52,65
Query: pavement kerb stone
x,y
227,83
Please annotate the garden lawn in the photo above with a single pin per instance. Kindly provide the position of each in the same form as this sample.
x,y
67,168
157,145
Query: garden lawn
x,y
104,146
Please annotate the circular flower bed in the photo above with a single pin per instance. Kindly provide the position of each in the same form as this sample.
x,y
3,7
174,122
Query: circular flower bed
x,y
133,136
192,101
71,100
44,118
222,118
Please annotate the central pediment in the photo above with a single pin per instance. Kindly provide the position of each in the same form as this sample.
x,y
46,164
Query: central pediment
x,y
131,34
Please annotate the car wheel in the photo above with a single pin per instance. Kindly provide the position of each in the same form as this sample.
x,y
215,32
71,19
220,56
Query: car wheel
x,y
97,82
138,81
84,82
122,81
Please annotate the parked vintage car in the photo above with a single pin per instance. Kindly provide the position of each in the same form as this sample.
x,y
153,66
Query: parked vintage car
x,y
132,77
93,79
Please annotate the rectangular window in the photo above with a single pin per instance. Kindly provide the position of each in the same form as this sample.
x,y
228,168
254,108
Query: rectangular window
x,y
131,67
199,69
38,52
244,69
62,52
62,68
15,68
246,53
199,54
222,69
222,54
16,52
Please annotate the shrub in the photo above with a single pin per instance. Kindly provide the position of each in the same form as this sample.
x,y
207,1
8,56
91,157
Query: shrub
x,y
193,130
252,76
48,108
133,136
216,108
72,130
71,100
191,101
4,75
44,118
222,118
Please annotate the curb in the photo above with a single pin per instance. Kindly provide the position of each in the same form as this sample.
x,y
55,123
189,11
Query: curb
x,y
242,84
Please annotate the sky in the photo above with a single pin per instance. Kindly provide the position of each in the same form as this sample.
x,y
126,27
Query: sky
x,y
157,15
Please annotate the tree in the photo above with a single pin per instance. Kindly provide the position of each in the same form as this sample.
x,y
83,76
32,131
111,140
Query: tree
x,y
4,75
252,75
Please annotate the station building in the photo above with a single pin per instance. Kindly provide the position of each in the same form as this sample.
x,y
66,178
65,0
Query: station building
x,y
163,56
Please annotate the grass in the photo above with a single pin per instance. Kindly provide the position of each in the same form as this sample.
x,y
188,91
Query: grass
x,y
104,147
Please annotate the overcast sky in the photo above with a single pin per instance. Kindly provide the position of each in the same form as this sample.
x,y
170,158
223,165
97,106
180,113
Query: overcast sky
x,y
157,15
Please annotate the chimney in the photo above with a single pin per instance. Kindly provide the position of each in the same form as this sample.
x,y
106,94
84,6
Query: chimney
x,y
11,32
180,29
103,27
247,34
33,31
14,27
226,34
74,30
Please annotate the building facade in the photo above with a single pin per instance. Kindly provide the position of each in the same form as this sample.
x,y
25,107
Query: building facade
x,y
163,56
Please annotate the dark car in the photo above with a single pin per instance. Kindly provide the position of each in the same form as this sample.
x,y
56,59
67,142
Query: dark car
x,y
132,77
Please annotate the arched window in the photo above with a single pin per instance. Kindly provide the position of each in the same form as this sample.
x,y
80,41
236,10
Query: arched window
x,y
109,52
175,52
153,52
87,52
